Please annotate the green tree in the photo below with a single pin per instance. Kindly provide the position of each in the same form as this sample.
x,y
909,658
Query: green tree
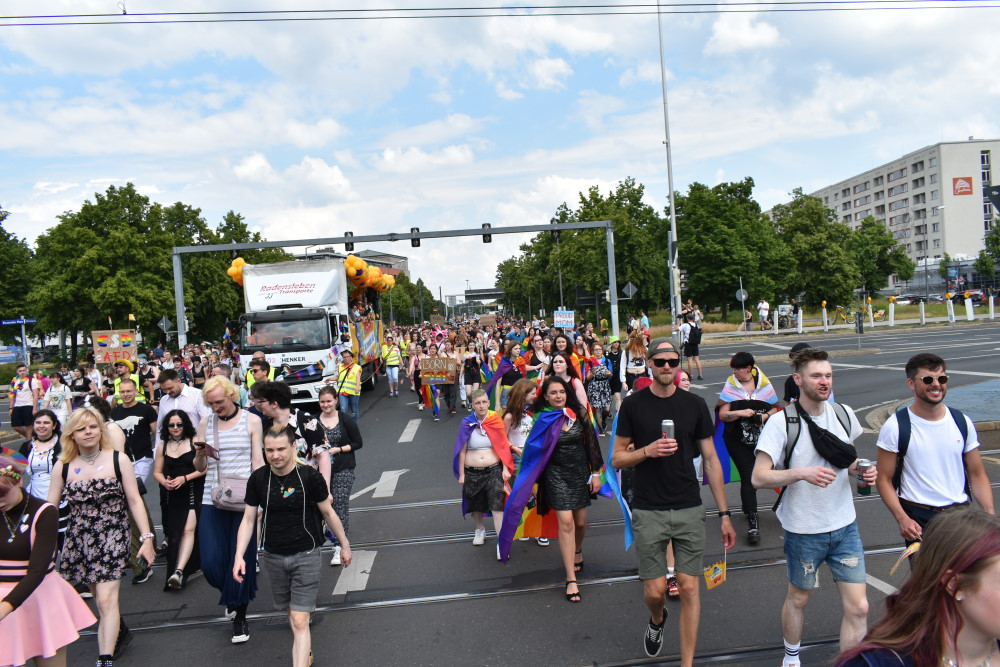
x,y
943,266
984,265
723,238
877,255
821,267
992,242
16,258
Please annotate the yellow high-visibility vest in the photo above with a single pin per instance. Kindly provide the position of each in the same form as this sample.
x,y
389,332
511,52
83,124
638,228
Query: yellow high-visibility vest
x,y
349,380
390,354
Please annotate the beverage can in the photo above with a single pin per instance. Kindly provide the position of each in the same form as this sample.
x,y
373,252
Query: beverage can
x,y
864,465
667,428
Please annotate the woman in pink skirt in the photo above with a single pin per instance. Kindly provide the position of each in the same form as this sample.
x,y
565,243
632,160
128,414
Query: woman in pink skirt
x,y
40,613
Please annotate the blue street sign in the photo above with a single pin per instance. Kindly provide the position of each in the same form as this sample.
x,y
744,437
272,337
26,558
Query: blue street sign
x,y
23,320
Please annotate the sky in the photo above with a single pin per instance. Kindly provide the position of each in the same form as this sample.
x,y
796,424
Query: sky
x,y
313,128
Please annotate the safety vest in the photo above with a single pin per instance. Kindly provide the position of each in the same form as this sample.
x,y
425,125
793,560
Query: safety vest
x,y
349,380
140,395
250,378
391,355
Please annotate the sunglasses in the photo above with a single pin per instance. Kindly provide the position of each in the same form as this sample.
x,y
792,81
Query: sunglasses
x,y
929,379
175,425
660,363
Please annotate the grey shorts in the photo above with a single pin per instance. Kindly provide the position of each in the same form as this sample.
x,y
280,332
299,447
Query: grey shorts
x,y
655,529
294,579
483,488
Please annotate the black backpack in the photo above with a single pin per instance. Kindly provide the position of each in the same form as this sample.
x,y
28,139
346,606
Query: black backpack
x,y
694,336
903,421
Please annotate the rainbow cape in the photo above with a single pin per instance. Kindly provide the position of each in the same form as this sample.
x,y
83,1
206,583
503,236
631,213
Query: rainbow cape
x,y
504,366
538,449
497,433
732,391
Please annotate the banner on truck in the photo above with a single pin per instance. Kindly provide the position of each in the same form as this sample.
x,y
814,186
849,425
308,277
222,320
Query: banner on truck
x,y
114,345
563,319
367,341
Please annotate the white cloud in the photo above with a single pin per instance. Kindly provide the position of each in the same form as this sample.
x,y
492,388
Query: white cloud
x,y
405,161
435,132
256,169
548,74
594,107
732,33
54,188
644,72
505,93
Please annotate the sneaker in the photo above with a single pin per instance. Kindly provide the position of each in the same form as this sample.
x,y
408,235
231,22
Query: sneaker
x,y
753,529
83,590
176,580
124,637
523,539
142,577
241,632
653,639
436,418
230,613
498,552
543,541
479,538
105,661
336,556
672,589
420,406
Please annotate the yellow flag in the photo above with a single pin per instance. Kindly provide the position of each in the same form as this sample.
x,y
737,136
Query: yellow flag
x,y
131,317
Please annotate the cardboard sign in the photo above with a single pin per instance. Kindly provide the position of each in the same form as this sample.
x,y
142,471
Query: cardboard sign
x,y
114,345
437,371
563,319
437,320
487,320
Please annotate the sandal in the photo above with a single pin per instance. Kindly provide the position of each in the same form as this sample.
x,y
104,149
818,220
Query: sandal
x,y
570,596
578,564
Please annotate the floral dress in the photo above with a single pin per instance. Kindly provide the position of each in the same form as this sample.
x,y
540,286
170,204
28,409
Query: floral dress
x,y
97,537
598,384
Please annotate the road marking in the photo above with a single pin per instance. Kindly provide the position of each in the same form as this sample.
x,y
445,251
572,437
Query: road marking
x,y
776,346
876,405
410,431
888,589
991,459
900,368
355,577
385,487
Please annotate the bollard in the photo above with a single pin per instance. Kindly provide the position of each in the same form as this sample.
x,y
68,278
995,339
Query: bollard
x,y
951,311
892,313
798,318
871,316
923,315
970,314
993,315
826,323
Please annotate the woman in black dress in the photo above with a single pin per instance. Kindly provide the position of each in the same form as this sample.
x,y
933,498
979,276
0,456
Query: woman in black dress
x,y
571,476
174,470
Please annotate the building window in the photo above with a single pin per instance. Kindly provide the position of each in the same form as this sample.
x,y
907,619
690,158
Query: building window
x,y
826,201
899,203
836,196
879,195
984,158
920,214
847,218
933,162
846,192
861,201
899,219
879,180
937,243
846,206
880,209
896,175
861,215
933,179
920,198
861,187
918,182
918,166
898,189
936,227
934,195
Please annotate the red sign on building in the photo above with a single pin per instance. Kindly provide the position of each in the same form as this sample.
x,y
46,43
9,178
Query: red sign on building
x,y
962,185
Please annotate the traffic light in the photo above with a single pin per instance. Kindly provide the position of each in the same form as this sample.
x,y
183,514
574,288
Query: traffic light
x,y
555,232
684,279
349,247
415,242
487,238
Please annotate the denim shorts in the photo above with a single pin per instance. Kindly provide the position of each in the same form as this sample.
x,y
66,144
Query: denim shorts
x,y
393,373
840,549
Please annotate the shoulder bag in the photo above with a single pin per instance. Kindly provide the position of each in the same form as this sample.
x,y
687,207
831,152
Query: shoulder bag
x,y
230,492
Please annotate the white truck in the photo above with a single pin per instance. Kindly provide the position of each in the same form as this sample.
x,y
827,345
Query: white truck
x,y
296,313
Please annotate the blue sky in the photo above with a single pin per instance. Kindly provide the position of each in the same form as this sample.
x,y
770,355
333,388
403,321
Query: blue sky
x,y
312,129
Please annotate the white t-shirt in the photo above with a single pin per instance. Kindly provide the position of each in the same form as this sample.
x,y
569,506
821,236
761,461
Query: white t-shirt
x,y
685,331
518,433
762,309
933,468
806,508
26,393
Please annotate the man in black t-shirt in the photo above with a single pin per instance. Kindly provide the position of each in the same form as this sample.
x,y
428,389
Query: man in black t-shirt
x,y
295,501
667,495
138,423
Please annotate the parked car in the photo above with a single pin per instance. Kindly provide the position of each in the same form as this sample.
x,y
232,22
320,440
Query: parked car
x,y
908,299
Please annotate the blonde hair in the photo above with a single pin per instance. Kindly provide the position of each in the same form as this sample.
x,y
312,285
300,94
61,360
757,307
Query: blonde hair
x,y
219,382
76,421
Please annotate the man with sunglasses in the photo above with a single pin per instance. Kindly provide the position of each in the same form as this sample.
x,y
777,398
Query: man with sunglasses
x,y
666,505
940,460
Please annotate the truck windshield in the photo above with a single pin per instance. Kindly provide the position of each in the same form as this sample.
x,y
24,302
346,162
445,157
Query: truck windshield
x,y
296,335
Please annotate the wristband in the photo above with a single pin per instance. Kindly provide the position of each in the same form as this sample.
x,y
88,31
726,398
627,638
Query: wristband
x,y
723,513
596,474
146,536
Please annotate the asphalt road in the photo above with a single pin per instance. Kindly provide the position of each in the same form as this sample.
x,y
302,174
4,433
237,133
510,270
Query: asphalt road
x,y
420,594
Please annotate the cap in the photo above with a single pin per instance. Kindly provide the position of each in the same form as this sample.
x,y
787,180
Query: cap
x,y
798,347
127,363
614,339
662,344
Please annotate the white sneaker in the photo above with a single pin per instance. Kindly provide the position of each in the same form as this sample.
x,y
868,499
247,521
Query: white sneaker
x,y
498,552
543,541
336,556
479,538
420,407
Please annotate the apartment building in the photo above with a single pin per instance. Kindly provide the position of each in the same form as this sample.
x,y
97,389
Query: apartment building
x,y
933,200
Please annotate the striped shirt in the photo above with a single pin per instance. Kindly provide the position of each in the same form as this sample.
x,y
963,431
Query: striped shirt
x,y
234,453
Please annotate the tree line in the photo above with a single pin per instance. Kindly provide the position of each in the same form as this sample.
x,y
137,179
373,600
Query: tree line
x,y
802,250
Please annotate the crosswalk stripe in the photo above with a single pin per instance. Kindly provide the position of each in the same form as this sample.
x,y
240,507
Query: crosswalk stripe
x,y
410,431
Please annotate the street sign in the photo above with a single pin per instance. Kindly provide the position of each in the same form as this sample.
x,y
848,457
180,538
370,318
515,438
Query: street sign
x,y
23,320
165,324
630,290
742,294
413,311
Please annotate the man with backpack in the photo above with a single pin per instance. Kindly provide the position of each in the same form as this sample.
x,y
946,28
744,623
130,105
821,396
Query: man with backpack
x,y
806,449
928,454
691,332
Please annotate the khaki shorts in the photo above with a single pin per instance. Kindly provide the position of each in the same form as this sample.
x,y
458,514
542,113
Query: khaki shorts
x,y
654,529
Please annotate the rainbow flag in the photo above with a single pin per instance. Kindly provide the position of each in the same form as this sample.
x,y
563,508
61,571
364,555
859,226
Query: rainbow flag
x,y
613,480
535,525
732,391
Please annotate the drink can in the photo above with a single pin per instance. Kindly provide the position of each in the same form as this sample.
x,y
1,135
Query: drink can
x,y
864,465
667,428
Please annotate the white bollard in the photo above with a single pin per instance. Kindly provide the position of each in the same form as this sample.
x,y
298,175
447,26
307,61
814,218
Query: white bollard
x,y
774,325
826,325
892,313
951,311
923,314
993,315
871,316
969,313
798,318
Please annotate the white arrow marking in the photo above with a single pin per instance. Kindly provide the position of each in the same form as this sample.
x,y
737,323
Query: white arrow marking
x,y
410,431
385,487
355,576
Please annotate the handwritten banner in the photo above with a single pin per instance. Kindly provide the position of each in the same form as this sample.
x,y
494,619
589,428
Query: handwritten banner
x,y
487,320
114,345
437,371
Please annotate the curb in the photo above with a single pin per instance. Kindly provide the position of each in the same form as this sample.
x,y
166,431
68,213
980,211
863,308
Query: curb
x,y
878,416
717,363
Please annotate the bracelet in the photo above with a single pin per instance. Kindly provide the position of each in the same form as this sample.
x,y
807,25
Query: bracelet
x,y
146,536
596,474
723,513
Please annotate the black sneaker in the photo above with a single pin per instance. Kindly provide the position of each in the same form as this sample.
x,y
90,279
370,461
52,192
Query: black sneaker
x,y
241,632
142,577
105,661
83,590
124,637
753,529
653,640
